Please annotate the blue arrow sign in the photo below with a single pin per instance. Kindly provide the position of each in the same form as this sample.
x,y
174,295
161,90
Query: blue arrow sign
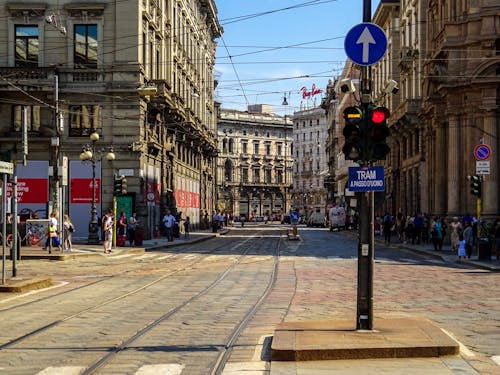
x,y
365,43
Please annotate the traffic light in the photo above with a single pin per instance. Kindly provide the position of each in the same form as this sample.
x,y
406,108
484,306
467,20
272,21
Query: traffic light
x,y
119,186
353,149
124,186
475,185
378,132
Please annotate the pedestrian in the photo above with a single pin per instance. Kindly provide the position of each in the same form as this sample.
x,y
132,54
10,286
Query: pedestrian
x,y
461,246
53,237
187,224
418,223
215,222
168,222
456,230
69,229
497,238
242,219
131,227
387,228
437,234
108,231
468,238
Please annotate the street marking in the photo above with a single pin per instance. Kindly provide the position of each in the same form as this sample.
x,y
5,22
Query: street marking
x,y
165,257
122,256
68,370
146,256
34,292
260,349
496,359
247,368
463,349
164,369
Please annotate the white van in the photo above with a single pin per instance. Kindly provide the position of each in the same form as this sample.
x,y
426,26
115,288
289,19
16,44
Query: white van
x,y
337,218
317,219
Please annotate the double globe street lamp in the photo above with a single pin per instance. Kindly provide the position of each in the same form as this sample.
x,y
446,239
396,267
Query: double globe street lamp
x,y
91,155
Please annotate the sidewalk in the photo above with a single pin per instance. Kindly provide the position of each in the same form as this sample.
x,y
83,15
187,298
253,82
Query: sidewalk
x,y
446,255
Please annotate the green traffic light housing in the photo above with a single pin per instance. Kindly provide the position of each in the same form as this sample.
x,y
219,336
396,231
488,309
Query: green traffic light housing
x,y
379,131
119,186
352,133
475,185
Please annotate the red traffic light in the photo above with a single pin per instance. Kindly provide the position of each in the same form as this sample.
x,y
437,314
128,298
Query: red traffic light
x,y
379,115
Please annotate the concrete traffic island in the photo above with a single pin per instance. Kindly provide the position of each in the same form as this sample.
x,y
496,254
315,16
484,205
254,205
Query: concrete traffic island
x,y
21,285
338,339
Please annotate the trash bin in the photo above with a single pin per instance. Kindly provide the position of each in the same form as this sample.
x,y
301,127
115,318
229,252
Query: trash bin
x,y
484,249
139,236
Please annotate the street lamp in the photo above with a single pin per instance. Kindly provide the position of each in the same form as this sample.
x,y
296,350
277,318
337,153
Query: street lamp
x,y
89,154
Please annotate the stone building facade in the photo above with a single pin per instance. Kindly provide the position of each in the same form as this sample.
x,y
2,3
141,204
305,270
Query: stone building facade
x,y
254,171
445,57
138,73
310,131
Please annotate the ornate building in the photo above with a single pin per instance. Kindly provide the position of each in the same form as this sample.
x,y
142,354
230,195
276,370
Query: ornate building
x,y
310,131
137,73
254,171
460,108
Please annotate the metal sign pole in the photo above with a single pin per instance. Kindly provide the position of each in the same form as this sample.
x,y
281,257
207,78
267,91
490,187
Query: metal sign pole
x,y
4,224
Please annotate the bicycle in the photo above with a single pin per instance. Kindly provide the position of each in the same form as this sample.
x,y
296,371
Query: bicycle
x,y
32,238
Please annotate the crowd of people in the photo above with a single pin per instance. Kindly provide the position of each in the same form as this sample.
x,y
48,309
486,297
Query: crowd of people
x,y
423,228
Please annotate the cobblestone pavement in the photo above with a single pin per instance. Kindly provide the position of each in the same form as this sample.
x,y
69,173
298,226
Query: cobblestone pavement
x,y
316,281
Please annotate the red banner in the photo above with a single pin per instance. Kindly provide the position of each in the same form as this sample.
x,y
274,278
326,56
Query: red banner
x,y
152,192
81,190
30,190
186,199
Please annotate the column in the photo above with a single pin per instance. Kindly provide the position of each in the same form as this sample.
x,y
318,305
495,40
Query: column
x,y
439,161
454,160
490,204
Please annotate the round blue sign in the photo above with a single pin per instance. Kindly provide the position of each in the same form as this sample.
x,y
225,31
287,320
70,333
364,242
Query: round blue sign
x,y
482,152
365,43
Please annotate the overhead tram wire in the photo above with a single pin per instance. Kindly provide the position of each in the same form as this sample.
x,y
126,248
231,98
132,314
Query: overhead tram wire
x,y
235,71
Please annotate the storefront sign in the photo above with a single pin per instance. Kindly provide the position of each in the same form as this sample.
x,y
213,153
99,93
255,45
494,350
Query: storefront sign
x,y
308,94
81,190
30,190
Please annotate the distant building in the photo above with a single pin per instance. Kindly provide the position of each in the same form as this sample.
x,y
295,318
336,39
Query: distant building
x,y
254,168
310,133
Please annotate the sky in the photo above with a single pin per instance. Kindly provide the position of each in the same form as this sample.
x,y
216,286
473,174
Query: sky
x,y
274,48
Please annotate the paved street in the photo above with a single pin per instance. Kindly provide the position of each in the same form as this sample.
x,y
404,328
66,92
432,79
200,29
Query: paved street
x,y
99,302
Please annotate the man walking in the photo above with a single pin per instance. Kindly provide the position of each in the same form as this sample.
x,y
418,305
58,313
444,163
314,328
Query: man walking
x,y
168,221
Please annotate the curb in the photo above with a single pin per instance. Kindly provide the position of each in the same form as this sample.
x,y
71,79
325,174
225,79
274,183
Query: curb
x,y
21,285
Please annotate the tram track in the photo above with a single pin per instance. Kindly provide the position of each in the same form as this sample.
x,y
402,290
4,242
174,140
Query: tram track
x,y
223,352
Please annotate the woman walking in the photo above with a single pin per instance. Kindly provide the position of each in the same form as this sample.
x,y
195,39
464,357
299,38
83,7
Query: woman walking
x,y
69,228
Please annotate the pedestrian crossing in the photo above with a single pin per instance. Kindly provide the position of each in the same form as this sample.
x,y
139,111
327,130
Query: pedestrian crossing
x,y
256,367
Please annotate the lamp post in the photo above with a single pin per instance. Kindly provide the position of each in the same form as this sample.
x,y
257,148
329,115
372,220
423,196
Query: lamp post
x,y
89,154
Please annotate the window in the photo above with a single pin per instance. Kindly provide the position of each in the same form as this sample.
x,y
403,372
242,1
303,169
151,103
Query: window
x,y
267,176
268,149
256,148
244,148
231,146
256,176
85,46
244,175
279,149
27,46
32,114
83,119
279,176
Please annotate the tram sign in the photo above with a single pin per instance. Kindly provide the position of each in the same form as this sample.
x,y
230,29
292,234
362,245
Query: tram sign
x,y
482,152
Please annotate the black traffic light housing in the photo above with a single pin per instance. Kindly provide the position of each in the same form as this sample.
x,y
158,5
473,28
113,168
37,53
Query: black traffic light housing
x,y
353,149
475,185
378,131
119,186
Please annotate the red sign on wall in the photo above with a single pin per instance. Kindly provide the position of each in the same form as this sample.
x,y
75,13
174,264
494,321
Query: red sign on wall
x,y
30,190
81,190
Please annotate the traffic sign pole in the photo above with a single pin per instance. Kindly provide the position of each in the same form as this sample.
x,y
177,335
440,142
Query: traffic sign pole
x,y
364,311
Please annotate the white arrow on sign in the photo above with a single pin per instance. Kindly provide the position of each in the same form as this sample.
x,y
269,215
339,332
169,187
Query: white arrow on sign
x,y
366,38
